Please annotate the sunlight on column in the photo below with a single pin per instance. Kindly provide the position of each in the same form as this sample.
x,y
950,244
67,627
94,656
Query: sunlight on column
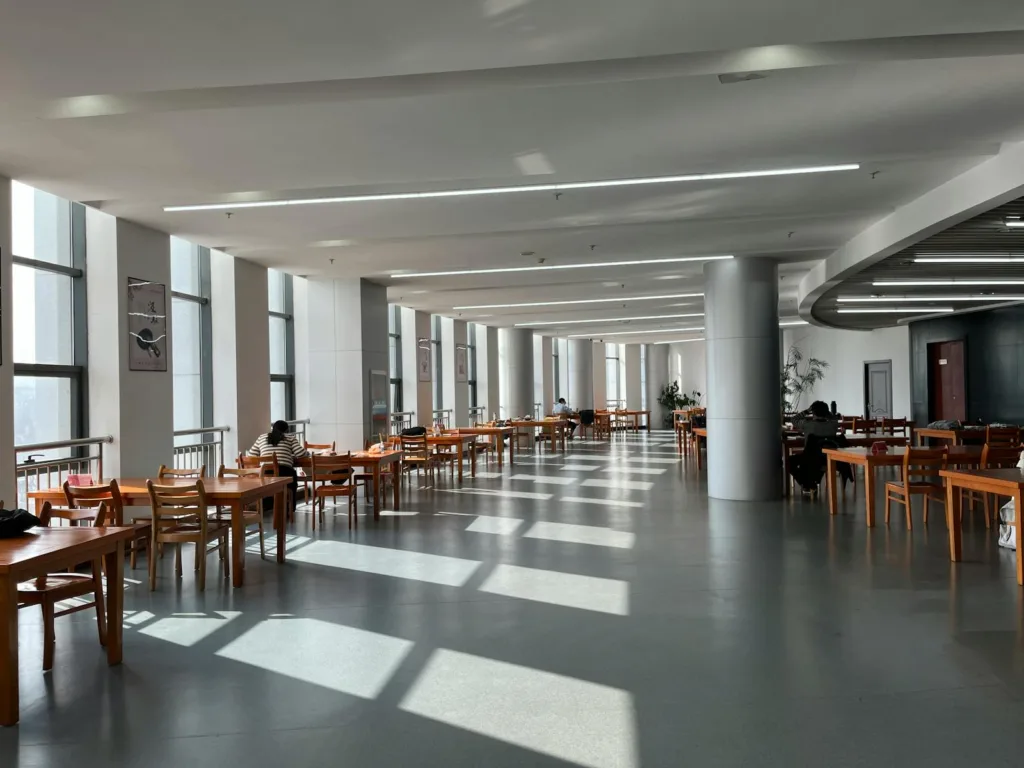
x,y
581,722
187,629
582,534
403,564
588,593
344,659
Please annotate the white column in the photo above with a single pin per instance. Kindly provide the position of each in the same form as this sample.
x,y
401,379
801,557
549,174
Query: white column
x,y
348,338
417,396
488,380
8,486
600,376
136,407
633,397
543,373
744,409
580,366
241,363
454,392
520,371
657,378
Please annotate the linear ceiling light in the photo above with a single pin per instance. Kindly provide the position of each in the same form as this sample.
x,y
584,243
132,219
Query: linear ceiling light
x,y
592,265
936,283
787,323
558,187
1015,222
679,341
969,259
608,320
875,299
582,301
635,333
894,310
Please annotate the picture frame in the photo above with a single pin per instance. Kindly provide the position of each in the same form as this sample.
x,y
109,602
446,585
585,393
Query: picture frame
x,y
424,365
461,364
147,325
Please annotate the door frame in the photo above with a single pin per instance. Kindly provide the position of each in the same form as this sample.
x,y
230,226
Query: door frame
x,y
868,363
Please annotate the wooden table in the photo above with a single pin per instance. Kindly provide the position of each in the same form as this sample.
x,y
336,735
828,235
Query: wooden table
x,y
52,550
550,426
235,493
374,462
699,433
459,442
954,436
862,456
1003,482
793,442
634,415
499,434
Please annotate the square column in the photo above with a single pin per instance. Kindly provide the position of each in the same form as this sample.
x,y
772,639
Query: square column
x,y
580,369
345,338
136,407
657,378
543,373
454,392
417,396
241,365
487,372
600,376
8,486
634,400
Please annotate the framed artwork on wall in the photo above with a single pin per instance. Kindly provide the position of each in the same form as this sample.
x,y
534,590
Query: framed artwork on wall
x,y
147,325
461,368
423,365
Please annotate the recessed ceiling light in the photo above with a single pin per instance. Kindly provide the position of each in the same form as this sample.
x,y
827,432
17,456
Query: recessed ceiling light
x,y
935,283
331,244
610,319
635,333
544,267
561,187
670,277
1014,221
874,299
787,323
894,310
969,259
581,301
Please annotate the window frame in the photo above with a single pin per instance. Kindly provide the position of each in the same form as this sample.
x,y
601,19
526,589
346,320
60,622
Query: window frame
x,y
471,378
288,315
205,336
395,376
437,362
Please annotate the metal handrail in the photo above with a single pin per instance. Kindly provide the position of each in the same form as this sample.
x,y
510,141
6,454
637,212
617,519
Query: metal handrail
x,y
200,431
63,444
39,475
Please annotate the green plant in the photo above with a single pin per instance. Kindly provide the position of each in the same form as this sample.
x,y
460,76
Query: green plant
x,y
672,400
799,377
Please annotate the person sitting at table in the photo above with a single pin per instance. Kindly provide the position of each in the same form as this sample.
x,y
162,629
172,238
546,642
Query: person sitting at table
x,y
821,430
817,420
287,448
567,413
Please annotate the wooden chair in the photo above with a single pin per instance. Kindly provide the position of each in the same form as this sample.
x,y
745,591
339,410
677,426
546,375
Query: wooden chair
x,y
273,469
864,426
91,496
920,477
895,427
321,447
447,454
180,516
331,480
847,422
185,474
994,457
416,454
1002,436
49,590
251,515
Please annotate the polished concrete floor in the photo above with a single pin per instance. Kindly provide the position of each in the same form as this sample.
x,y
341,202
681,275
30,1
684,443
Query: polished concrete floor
x,y
593,609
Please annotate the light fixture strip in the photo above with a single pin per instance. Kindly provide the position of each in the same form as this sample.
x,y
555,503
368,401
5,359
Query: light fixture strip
x,y
877,299
635,333
936,283
542,268
894,310
968,259
556,187
583,301
606,320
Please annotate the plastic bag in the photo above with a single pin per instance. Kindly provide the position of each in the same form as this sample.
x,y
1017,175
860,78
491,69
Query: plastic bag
x,y
1007,528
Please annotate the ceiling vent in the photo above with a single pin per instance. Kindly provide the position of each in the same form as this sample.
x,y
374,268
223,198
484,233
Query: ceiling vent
x,y
740,77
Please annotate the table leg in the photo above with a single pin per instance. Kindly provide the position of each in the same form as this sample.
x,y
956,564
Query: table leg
x,y
1016,523
459,454
500,448
280,522
114,566
396,478
8,651
376,490
679,439
238,543
700,457
869,494
830,476
953,522
472,459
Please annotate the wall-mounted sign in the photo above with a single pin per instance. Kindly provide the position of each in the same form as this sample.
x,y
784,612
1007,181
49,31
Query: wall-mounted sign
x,y
147,326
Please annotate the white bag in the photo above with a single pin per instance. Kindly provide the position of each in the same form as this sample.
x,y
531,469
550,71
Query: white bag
x,y
1007,529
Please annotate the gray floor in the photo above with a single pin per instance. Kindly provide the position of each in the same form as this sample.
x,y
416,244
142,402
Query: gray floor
x,y
651,627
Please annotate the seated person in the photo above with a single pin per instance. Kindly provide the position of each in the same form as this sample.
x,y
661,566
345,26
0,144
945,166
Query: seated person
x,y
817,420
277,442
567,413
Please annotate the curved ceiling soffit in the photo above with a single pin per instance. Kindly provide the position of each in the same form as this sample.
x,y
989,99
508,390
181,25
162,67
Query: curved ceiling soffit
x,y
989,184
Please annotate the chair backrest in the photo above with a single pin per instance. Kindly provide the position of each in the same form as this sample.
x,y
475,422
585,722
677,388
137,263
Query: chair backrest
x,y
920,463
328,469
1002,436
587,417
847,423
188,474
260,471
178,504
863,426
331,447
894,426
269,463
87,496
415,447
1000,456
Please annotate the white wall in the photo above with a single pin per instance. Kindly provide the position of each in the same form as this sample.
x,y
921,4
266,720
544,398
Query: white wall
x,y
686,365
633,396
846,352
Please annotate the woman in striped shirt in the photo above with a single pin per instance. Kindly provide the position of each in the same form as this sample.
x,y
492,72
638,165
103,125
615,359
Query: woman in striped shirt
x,y
277,442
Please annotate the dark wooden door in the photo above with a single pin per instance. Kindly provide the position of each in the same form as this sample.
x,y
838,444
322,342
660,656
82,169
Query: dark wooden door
x,y
946,381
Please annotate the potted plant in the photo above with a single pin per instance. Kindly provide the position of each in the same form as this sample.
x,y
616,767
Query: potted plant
x,y
799,377
672,400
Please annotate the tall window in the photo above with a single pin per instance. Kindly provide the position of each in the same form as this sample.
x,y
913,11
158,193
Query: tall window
x,y
555,370
435,360
395,355
282,346
471,363
191,341
612,374
643,377
48,305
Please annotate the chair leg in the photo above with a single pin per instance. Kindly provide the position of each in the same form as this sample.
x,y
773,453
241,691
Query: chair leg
x,y
988,509
195,565
177,561
224,552
97,596
263,547
908,502
925,499
134,551
152,572
888,506
49,639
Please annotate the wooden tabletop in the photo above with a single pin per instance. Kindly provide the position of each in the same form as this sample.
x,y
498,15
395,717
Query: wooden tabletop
x,y
486,430
34,549
538,423
1012,478
215,487
956,454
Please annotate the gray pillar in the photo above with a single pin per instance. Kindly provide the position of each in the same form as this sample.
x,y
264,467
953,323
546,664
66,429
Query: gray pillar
x,y
581,374
657,377
744,414
633,397
520,372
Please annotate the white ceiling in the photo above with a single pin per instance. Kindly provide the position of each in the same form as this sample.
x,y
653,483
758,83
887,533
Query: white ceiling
x,y
350,119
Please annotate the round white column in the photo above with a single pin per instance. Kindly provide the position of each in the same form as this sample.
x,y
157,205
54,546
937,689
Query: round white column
x,y
520,372
656,360
741,320
581,374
